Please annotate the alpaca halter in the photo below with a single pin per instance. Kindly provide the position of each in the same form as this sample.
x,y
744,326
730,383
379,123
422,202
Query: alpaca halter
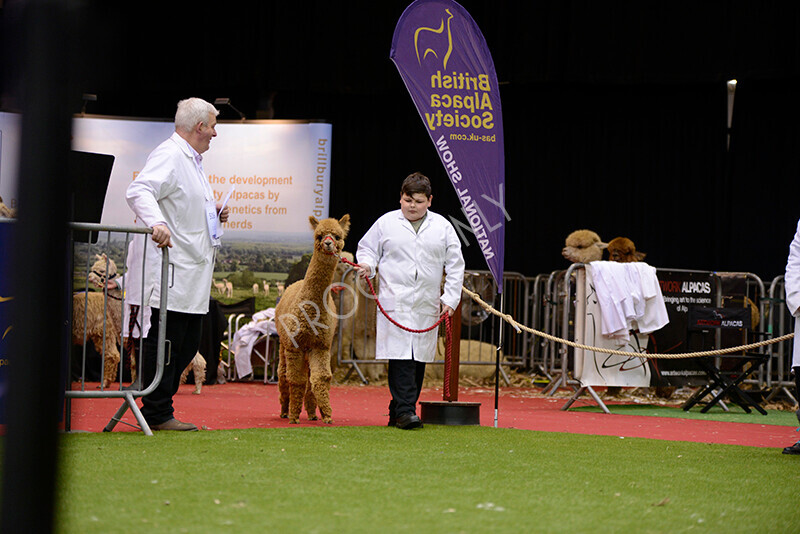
x,y
102,276
332,240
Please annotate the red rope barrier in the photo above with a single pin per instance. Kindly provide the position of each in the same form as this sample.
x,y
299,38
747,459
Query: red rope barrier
x,y
444,317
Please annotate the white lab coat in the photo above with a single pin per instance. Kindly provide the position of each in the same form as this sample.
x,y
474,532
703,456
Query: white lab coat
x,y
133,281
172,189
792,285
410,267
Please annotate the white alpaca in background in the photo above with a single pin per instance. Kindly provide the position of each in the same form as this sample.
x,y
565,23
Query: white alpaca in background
x,y
220,287
228,288
266,287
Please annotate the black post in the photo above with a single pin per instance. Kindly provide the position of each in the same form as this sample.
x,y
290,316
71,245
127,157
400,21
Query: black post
x,y
40,85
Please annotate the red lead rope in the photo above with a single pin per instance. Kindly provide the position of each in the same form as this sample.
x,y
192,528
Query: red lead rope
x,y
448,330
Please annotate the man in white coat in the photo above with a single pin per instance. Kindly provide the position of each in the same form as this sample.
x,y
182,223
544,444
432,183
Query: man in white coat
x,y
792,284
411,249
172,196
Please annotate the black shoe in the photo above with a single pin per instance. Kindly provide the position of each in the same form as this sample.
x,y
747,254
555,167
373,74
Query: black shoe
x,y
794,449
407,421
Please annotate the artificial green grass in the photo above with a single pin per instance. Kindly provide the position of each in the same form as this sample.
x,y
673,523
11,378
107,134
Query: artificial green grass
x,y
439,479
735,414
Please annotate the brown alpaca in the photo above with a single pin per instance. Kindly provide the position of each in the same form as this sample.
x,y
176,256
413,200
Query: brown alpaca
x,y
306,321
583,246
97,309
622,250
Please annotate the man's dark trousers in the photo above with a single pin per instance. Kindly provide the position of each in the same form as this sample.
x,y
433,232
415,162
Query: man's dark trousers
x,y
183,334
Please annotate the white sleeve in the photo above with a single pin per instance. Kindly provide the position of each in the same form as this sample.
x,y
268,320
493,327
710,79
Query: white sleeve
x,y
368,251
792,277
152,184
453,268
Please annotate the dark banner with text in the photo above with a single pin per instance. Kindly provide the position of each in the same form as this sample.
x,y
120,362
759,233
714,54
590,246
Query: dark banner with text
x,y
683,291
446,66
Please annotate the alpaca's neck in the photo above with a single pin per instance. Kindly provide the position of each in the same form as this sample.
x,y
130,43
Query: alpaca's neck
x,y
319,274
115,293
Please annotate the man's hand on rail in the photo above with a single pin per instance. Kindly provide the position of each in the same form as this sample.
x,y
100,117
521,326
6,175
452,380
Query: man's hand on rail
x,y
162,236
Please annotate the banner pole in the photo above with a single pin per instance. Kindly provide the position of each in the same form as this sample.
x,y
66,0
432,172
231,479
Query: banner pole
x,y
497,364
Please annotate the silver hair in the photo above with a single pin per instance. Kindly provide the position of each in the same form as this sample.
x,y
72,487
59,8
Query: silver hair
x,y
193,111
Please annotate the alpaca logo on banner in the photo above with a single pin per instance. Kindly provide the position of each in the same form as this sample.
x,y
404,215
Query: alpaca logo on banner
x,y
424,35
446,66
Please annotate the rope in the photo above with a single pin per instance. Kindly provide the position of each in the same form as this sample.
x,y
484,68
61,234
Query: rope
x,y
519,327
444,317
378,302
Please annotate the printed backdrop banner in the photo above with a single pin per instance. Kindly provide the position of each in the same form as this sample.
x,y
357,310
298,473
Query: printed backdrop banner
x,y
279,171
448,70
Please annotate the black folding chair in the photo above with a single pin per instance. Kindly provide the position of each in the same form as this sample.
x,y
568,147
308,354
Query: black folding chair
x,y
724,380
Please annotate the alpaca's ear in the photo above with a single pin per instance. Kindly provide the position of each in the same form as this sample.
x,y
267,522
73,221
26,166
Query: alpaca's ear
x,y
602,246
313,222
639,256
344,222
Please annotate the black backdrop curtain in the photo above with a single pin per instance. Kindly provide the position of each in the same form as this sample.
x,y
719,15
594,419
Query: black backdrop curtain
x,y
614,111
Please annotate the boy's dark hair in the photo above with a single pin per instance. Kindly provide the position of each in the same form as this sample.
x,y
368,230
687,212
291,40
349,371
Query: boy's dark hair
x,y
416,183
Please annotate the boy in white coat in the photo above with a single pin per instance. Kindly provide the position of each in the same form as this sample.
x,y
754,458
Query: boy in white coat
x,y
411,249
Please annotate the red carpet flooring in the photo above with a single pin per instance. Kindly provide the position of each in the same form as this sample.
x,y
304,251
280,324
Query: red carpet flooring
x,y
255,405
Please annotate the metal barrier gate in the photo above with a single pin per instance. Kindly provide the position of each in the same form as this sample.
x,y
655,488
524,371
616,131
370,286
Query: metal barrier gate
x,y
86,241
558,320
780,322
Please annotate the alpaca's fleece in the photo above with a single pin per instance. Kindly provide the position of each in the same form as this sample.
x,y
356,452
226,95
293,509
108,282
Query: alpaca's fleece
x,y
92,310
583,246
622,250
198,367
306,319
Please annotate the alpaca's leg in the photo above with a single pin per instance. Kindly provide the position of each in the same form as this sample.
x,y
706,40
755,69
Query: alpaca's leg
x,y
132,356
110,361
185,374
199,369
310,402
320,367
297,376
283,384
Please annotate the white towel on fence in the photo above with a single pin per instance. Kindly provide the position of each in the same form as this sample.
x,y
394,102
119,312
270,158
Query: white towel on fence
x,y
629,296
245,338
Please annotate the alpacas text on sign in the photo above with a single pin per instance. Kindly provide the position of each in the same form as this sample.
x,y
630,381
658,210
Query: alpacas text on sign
x,y
306,319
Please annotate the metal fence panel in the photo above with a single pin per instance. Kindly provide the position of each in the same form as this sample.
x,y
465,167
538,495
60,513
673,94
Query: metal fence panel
x,y
113,241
